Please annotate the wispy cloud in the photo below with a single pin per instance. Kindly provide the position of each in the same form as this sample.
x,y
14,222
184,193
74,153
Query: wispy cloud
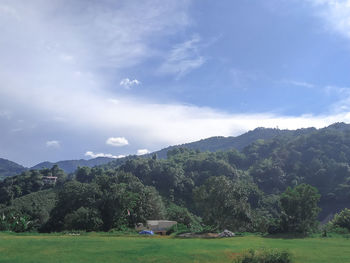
x,y
127,83
95,155
300,84
332,89
117,141
53,144
336,13
183,58
62,74
342,105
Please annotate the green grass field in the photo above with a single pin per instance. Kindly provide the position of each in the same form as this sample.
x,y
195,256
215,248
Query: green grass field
x,y
100,248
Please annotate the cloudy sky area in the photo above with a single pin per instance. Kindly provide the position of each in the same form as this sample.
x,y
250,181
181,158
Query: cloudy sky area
x,y
80,79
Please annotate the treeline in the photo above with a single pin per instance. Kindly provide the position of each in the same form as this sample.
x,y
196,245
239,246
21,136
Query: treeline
x,y
272,186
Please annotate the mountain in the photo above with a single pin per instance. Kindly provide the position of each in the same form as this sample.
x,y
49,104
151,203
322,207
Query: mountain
x,y
220,143
9,168
198,181
212,144
70,166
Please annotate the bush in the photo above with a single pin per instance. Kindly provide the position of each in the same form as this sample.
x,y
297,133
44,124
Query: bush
x,y
83,219
265,256
332,228
183,217
178,229
342,220
299,209
16,223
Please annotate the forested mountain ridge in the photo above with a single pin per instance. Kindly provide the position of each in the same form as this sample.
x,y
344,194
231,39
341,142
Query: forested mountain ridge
x,y
220,143
317,157
9,168
246,190
69,166
211,144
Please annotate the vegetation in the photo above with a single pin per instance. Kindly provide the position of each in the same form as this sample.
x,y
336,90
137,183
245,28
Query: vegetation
x,y
342,219
271,186
299,209
8,168
265,256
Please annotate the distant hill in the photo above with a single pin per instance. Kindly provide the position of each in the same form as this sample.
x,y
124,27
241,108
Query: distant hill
x,y
221,143
9,168
70,166
212,144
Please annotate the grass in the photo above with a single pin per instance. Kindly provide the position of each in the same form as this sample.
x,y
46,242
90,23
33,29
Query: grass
x,y
96,247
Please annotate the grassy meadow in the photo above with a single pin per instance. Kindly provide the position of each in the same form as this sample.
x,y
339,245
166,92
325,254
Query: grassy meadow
x,y
97,247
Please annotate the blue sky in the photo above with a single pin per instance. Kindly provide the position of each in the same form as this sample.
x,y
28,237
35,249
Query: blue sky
x,y
80,79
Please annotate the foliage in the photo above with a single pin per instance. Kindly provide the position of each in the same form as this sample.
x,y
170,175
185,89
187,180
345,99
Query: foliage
x,y
8,168
265,256
35,206
342,219
104,204
299,209
87,219
238,190
223,203
28,182
183,217
13,222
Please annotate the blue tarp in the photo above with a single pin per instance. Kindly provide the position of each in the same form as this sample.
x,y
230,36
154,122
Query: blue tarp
x,y
146,232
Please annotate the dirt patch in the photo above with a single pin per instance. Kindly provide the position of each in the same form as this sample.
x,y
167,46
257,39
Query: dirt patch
x,y
232,255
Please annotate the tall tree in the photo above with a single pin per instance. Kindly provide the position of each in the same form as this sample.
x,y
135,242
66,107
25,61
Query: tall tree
x,y
299,209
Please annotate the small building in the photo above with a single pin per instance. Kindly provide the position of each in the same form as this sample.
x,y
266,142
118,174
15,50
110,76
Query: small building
x,y
49,179
157,226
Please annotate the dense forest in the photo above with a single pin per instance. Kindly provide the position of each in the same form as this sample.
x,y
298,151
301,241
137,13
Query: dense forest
x,y
286,183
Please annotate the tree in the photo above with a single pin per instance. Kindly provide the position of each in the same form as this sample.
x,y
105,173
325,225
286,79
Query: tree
x,y
87,219
342,219
223,203
299,209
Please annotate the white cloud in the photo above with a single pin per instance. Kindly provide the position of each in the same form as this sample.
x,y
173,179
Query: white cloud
x,y
53,144
336,13
117,141
95,155
342,91
183,58
142,151
51,91
300,84
127,83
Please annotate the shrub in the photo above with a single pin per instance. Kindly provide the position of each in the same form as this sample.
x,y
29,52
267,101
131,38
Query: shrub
x,y
83,219
299,209
342,220
178,229
182,216
16,223
264,256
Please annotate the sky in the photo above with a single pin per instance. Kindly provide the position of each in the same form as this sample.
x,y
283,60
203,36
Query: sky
x,y
88,78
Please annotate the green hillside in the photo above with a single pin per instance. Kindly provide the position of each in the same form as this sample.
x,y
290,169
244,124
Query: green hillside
x,y
9,168
274,185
